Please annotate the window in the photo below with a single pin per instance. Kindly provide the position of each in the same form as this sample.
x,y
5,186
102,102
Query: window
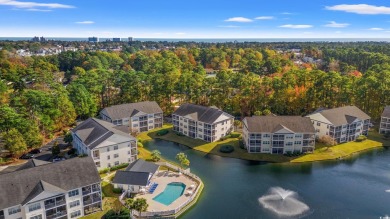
x,y
13,210
116,163
116,155
73,193
75,214
135,125
150,121
318,124
34,207
108,157
108,149
115,147
266,135
97,164
129,152
74,203
36,217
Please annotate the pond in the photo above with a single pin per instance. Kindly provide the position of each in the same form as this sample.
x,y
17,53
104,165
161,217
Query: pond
x,y
350,188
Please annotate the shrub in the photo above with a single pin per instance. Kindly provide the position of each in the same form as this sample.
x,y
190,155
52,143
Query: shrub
x,y
387,135
235,135
139,144
226,149
327,140
162,132
72,151
117,190
105,170
179,134
120,166
361,138
83,155
241,144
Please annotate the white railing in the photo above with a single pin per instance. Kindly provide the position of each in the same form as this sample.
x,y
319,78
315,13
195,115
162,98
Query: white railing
x,y
122,196
184,205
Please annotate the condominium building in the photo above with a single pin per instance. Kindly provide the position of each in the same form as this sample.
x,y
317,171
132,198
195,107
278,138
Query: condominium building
x,y
385,121
201,122
135,117
45,190
342,124
278,134
102,141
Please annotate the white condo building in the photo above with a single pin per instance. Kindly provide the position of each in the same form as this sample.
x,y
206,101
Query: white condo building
x,y
385,121
342,124
134,117
45,190
278,134
201,122
102,141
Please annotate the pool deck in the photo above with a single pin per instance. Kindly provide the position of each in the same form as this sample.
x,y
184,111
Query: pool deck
x,y
163,178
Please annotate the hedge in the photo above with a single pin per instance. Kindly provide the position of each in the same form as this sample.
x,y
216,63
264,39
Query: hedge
x,y
235,135
117,190
120,166
162,132
226,149
361,138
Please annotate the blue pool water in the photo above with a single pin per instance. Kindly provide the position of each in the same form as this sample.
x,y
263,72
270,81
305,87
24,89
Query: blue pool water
x,y
172,192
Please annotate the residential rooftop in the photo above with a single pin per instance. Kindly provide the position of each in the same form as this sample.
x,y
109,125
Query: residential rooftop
x,y
93,132
130,109
21,186
272,124
343,115
137,173
201,113
386,112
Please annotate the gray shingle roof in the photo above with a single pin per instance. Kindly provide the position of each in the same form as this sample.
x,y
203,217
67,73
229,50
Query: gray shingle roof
x,y
131,109
343,115
200,113
271,124
67,175
32,163
41,187
386,112
131,178
137,173
95,131
141,165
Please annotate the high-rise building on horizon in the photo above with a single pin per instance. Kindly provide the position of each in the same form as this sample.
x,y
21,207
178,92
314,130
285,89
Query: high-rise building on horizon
x,y
93,39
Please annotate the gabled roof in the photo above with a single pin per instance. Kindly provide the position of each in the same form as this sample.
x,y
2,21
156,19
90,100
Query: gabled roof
x,y
137,173
271,124
131,109
93,132
43,190
21,186
141,165
33,163
201,113
343,115
386,112
131,178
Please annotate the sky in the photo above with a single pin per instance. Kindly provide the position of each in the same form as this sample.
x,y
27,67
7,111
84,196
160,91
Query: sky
x,y
196,19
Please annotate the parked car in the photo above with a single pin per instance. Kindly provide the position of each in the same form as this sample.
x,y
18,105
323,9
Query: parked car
x,y
36,151
27,156
58,158
49,148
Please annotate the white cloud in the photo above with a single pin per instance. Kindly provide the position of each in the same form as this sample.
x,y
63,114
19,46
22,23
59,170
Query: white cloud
x,y
296,26
85,22
180,33
376,28
239,19
229,26
40,10
265,18
33,5
336,25
287,13
360,9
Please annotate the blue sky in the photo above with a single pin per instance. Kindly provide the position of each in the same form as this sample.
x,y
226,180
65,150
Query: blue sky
x,y
196,19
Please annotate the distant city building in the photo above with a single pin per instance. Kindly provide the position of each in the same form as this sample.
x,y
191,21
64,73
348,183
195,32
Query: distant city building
x,y
116,39
130,39
93,39
202,122
38,39
385,121
278,134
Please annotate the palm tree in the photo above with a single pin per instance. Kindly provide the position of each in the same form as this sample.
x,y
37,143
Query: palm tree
x,y
182,158
156,155
140,205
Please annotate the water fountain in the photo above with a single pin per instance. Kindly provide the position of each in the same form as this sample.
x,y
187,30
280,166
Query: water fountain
x,y
283,202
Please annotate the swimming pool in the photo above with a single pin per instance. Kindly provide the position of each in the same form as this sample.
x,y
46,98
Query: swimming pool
x,y
172,192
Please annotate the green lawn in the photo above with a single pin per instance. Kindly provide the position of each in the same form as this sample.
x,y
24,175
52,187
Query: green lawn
x,y
374,140
213,147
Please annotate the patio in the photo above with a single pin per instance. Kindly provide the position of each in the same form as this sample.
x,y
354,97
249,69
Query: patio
x,y
163,178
